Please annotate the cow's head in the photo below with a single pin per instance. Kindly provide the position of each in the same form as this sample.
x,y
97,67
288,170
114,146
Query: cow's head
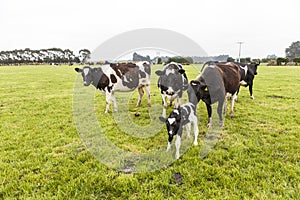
x,y
86,73
253,67
197,90
171,79
172,123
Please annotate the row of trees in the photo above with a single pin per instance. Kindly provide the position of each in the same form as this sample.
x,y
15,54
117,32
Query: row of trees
x,y
292,56
60,56
52,55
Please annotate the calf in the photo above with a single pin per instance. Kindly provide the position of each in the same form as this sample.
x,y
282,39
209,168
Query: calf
x,y
172,82
184,115
216,81
118,77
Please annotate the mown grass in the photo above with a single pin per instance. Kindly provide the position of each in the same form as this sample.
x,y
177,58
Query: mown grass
x,y
43,157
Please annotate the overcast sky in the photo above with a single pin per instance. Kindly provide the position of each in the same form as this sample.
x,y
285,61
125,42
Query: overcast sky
x,y
266,27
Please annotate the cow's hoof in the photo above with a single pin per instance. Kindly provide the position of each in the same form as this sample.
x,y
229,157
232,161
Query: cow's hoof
x,y
252,97
221,124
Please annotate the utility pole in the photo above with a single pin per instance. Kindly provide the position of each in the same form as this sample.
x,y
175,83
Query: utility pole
x,y
240,43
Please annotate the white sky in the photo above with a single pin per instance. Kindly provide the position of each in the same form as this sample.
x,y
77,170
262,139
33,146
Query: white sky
x,y
266,27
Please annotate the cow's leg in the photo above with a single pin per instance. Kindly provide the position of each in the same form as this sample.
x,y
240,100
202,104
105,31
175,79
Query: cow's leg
x,y
251,92
108,97
171,102
148,94
169,143
169,146
164,113
113,98
188,130
219,110
177,145
209,111
178,100
225,105
196,131
141,93
237,92
232,105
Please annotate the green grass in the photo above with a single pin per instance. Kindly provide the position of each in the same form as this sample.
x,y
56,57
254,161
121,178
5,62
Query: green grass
x,y
43,157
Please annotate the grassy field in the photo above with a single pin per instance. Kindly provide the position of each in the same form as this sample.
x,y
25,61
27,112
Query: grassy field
x,y
42,156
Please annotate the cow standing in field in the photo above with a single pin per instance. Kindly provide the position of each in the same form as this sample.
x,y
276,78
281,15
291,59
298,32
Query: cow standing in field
x,y
184,115
112,78
247,71
172,82
216,81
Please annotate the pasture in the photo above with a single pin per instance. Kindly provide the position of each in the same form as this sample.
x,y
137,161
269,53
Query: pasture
x,y
43,157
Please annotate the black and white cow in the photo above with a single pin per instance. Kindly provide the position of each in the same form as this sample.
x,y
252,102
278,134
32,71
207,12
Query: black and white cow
x,y
172,82
248,72
215,82
118,77
184,115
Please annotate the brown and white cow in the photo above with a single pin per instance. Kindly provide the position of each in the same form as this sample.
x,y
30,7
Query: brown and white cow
x,y
112,78
247,71
217,80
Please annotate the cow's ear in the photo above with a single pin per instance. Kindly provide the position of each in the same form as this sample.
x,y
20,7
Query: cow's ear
x,y
162,119
158,72
78,70
181,71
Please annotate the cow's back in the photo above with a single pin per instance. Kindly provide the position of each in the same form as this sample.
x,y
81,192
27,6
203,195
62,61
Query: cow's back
x,y
231,76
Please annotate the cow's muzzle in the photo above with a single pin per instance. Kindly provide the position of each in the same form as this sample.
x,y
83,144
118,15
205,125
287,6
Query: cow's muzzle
x,y
170,93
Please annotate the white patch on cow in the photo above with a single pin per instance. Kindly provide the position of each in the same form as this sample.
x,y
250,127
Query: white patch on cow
x,y
245,69
119,72
86,71
176,111
170,71
243,83
171,120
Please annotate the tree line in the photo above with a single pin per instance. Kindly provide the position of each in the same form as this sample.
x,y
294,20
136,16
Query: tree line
x,y
292,54
43,56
